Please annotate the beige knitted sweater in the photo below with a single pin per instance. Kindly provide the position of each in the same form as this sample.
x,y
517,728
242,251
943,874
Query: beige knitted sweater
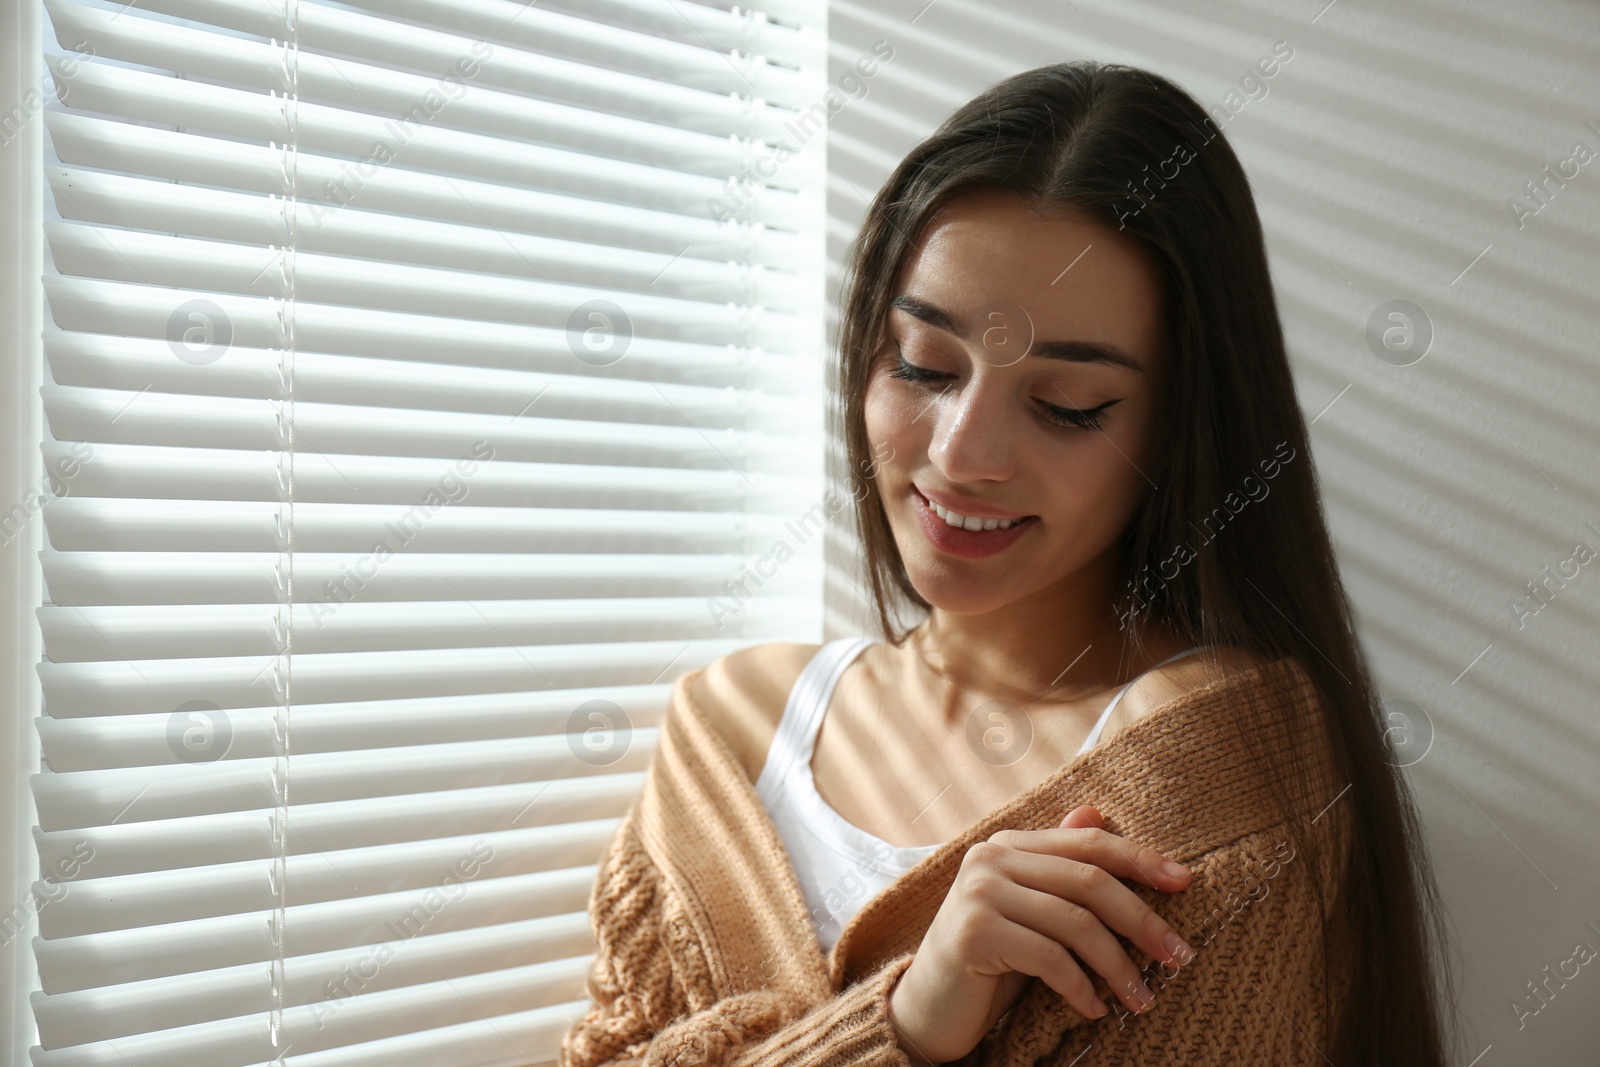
x,y
706,953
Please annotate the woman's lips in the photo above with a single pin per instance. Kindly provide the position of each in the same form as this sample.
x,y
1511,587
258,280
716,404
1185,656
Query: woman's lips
x,y
963,543
969,509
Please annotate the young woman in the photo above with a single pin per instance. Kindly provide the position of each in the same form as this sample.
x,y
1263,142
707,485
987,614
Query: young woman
x,y
1076,448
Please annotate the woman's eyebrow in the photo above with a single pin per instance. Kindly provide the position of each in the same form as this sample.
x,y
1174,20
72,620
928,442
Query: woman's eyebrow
x,y
1067,351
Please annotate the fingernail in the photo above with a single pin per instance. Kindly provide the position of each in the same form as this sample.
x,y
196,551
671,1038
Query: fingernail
x,y
1177,949
1174,870
1142,994
1099,1007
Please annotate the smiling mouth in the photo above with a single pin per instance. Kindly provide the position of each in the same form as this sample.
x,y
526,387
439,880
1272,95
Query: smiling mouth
x,y
957,521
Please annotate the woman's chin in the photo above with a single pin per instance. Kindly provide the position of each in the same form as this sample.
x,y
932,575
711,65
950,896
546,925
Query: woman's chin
x,y
957,587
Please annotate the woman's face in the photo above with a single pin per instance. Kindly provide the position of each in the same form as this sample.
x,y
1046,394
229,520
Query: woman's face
x,y
989,295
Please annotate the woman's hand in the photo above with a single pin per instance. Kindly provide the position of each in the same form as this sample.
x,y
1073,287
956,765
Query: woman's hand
x,y
1032,904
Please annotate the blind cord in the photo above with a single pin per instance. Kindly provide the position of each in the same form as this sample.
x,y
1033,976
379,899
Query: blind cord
x,y
287,332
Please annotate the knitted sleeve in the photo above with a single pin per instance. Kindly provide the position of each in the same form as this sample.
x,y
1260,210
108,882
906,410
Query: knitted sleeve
x,y
631,985
643,1014
1252,996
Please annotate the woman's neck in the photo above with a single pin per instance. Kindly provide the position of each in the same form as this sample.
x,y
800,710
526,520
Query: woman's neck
x,y
956,662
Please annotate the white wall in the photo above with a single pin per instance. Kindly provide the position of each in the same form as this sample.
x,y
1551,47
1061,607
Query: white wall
x,y
1384,156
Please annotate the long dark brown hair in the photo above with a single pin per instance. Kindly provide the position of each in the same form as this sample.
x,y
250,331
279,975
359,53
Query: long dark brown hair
x,y
1135,152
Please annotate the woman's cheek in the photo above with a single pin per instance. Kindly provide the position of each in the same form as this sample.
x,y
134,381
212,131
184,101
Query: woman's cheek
x,y
1124,475
888,413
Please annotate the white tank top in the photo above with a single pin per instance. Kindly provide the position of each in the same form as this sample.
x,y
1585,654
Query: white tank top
x,y
840,866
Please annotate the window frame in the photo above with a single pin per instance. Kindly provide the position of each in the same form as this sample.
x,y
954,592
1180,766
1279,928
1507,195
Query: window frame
x,y
21,424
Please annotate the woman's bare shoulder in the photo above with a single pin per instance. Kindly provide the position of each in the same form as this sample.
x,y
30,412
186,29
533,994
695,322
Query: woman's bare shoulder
x,y
1166,683
743,695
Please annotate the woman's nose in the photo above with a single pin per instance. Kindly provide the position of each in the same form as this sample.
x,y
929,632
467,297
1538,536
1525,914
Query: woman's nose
x,y
974,433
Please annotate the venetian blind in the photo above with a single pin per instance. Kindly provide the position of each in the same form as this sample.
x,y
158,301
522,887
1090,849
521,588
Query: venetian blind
x,y
424,379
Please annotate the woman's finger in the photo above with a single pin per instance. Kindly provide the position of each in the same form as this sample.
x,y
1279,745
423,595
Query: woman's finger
x,y
1103,849
1025,950
1081,930
1096,889
1083,817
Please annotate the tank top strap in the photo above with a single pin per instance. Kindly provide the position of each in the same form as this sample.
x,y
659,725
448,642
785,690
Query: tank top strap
x,y
796,735
1105,716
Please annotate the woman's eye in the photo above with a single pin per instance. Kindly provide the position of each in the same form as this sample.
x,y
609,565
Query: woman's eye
x,y
1077,418
911,373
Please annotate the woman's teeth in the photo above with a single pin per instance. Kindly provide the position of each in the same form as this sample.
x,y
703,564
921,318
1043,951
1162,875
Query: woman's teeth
x,y
966,522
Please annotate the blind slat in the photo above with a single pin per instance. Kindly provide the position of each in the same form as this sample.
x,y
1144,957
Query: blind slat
x,y
510,1040
335,1024
69,799
332,626
473,84
421,487
161,686
121,902
159,578
200,160
686,186
110,1012
254,526
223,268
123,417
193,945
378,239
151,311
679,45
230,837
132,365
